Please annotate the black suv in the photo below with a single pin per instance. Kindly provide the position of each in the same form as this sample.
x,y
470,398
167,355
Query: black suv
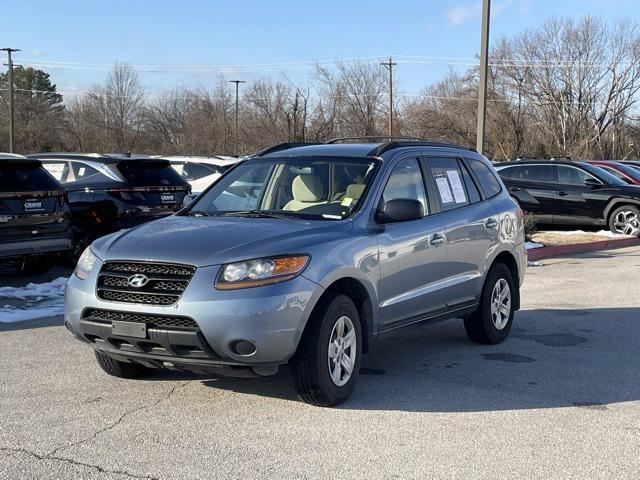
x,y
573,193
34,215
111,192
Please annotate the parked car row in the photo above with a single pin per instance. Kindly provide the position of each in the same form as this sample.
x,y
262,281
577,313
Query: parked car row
x,y
577,193
56,204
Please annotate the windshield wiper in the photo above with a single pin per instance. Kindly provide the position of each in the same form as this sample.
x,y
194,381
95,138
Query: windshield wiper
x,y
256,214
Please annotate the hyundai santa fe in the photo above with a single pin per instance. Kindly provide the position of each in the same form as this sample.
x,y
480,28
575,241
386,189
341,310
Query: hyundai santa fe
x,y
334,245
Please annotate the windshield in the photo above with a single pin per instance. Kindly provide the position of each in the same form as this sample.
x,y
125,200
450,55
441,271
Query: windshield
x,y
602,174
324,188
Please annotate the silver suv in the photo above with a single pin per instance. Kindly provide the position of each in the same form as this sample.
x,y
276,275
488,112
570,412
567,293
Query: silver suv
x,y
305,255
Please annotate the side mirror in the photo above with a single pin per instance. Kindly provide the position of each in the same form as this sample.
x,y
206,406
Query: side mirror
x,y
188,199
400,210
592,182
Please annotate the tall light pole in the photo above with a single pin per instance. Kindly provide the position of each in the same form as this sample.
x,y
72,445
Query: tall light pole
x,y
10,65
389,66
237,82
482,89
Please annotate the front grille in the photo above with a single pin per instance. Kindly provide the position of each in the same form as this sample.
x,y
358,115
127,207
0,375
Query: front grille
x,y
166,282
152,321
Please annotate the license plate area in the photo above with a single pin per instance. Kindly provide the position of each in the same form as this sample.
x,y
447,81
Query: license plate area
x,y
167,198
129,329
33,205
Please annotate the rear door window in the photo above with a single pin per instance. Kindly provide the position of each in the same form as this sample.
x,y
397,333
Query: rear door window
x,y
25,177
486,176
537,173
83,173
449,183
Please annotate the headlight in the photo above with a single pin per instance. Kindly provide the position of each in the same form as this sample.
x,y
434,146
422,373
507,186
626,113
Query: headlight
x,y
85,264
262,271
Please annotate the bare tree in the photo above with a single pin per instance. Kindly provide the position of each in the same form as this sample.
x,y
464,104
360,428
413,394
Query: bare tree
x,y
121,102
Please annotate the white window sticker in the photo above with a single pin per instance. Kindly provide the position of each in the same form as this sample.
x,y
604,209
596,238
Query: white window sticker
x,y
55,169
456,185
444,189
81,171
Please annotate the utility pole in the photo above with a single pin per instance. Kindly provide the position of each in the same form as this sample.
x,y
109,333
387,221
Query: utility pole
x,y
482,89
389,66
237,82
10,65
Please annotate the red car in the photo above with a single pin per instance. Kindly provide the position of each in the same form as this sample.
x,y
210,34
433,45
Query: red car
x,y
624,172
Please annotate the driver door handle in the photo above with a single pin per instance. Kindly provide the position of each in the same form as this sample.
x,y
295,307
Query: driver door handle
x,y
514,189
437,239
491,223
563,194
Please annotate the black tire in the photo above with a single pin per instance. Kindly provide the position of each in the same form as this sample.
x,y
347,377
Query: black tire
x,y
632,210
34,266
81,241
119,369
310,364
480,325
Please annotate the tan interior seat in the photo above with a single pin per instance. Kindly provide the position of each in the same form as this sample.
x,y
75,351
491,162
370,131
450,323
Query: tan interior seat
x,y
307,190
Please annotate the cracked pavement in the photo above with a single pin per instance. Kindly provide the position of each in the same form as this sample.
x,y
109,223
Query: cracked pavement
x,y
559,399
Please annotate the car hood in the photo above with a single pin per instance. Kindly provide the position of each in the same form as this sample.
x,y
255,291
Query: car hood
x,y
203,241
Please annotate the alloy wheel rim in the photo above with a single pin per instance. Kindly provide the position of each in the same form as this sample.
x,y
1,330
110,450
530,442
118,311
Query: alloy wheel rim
x,y
342,351
627,222
500,304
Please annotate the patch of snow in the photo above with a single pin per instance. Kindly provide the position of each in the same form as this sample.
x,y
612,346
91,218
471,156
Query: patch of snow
x,y
532,245
35,300
601,233
531,263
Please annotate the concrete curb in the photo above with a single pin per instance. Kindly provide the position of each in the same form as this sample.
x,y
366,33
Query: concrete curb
x,y
560,250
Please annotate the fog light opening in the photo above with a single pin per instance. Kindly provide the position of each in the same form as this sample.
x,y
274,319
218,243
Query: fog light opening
x,y
244,348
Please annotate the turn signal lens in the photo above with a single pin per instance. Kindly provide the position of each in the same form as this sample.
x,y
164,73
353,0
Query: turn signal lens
x,y
262,271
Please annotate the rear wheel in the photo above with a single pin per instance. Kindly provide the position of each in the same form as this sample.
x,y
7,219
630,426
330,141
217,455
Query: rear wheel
x,y
327,362
120,369
625,220
34,265
491,322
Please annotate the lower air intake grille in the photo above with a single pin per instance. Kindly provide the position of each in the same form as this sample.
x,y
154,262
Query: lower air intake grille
x,y
152,321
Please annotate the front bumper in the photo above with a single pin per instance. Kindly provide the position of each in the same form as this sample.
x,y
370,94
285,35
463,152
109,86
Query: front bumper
x,y
271,317
31,246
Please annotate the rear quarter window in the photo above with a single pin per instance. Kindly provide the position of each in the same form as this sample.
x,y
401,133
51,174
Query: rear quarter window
x,y
486,177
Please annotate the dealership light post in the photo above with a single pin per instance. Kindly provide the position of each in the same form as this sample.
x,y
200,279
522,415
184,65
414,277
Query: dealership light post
x,y
482,89
237,82
10,65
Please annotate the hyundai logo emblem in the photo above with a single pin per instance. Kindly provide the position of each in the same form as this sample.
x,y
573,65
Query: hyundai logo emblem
x,y
138,280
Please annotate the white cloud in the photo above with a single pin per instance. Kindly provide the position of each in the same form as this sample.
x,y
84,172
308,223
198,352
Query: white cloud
x,y
456,16
37,53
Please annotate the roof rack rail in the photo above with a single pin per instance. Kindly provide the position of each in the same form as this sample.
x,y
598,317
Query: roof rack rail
x,y
385,147
374,137
280,147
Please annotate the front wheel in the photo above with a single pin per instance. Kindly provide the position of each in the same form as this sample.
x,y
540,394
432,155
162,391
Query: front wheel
x,y
625,220
491,322
119,369
327,362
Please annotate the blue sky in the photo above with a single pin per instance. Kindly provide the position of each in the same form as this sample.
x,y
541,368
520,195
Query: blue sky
x,y
232,34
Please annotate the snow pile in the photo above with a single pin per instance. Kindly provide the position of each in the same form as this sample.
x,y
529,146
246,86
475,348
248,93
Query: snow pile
x,y
532,245
601,233
35,300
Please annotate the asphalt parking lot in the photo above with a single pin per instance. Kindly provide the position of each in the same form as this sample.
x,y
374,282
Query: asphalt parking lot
x,y
559,399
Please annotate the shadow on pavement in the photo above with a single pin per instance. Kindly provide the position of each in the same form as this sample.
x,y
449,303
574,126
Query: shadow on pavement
x,y
553,358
